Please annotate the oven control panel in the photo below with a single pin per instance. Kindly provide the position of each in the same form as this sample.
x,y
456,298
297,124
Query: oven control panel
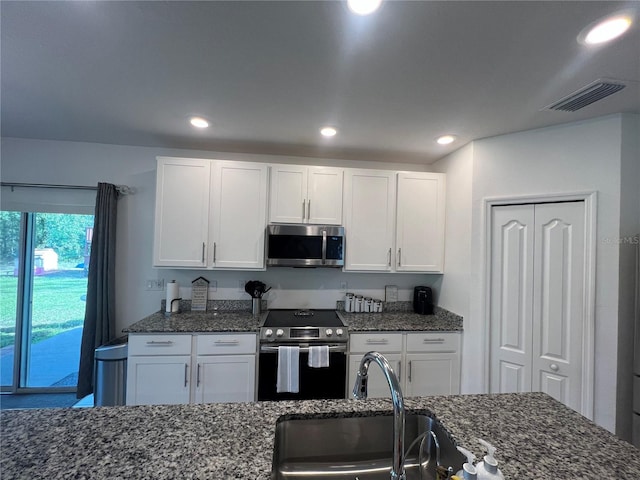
x,y
302,333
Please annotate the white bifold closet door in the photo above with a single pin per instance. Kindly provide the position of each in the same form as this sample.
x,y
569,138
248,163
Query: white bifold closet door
x,y
537,299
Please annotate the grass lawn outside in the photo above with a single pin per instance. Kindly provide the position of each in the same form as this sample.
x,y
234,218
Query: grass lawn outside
x,y
58,304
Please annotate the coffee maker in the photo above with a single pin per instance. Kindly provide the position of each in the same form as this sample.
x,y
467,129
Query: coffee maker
x,y
423,300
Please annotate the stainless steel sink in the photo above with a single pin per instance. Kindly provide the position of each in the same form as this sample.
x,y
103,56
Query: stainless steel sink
x,y
356,447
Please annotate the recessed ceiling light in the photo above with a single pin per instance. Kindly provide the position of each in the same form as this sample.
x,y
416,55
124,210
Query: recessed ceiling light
x,y
446,139
363,7
606,30
198,122
328,131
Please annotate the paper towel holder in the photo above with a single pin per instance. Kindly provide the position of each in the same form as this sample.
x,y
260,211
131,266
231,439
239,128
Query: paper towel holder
x,y
168,314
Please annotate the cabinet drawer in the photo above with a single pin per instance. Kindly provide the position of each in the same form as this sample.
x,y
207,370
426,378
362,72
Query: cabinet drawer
x,y
159,345
376,341
229,344
433,342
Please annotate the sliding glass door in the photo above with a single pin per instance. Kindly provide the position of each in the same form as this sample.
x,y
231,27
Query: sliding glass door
x,y
44,258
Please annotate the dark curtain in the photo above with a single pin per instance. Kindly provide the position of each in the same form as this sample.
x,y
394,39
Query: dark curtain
x,y
99,317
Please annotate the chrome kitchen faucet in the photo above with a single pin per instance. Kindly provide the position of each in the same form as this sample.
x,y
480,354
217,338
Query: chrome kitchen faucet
x,y
360,392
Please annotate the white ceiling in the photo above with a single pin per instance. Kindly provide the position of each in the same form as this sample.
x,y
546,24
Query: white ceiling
x,y
268,74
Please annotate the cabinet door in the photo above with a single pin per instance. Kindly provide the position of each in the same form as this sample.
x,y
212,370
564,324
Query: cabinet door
x,y
238,215
324,196
158,380
182,212
432,374
369,219
420,222
377,386
225,378
288,194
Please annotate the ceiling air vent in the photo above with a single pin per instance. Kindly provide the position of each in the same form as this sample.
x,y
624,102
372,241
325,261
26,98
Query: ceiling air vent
x,y
587,95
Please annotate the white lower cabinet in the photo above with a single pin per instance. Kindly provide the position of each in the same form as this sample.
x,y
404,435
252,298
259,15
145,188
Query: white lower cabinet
x,y
160,380
425,363
221,377
174,369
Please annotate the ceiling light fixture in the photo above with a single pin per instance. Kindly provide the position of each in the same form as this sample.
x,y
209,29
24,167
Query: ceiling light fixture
x,y
363,7
605,30
328,131
446,139
198,122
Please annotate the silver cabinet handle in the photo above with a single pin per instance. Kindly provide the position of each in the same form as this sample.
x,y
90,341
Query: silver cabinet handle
x,y
214,252
554,367
389,256
400,257
198,376
303,211
308,209
221,343
400,370
376,341
433,340
202,252
186,372
157,343
409,372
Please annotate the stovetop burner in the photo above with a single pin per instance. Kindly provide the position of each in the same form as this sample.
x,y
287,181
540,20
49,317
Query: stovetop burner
x,y
296,326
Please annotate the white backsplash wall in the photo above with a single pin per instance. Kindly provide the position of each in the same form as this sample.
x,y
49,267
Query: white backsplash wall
x,y
299,287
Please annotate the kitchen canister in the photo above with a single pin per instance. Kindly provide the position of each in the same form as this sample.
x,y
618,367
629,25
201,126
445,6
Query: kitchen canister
x,y
377,306
358,303
367,304
348,302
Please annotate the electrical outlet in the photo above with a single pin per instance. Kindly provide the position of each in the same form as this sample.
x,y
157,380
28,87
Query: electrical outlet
x,y
241,285
155,285
343,287
213,286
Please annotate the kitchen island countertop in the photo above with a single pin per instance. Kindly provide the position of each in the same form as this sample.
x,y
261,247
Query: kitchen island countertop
x,y
536,437
243,321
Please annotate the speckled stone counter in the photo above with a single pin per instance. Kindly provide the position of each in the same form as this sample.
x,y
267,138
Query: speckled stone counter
x,y
537,438
188,322
221,320
441,321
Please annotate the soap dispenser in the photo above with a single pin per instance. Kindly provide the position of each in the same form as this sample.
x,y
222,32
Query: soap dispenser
x,y
488,468
468,471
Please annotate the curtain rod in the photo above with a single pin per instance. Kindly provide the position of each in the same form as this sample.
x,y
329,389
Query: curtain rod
x,y
122,189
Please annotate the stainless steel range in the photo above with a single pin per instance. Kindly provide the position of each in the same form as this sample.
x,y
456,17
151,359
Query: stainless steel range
x,y
304,329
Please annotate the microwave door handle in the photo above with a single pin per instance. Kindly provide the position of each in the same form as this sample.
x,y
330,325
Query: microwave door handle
x,y
324,247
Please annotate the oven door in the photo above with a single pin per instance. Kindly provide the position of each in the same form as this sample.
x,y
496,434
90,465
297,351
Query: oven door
x,y
315,383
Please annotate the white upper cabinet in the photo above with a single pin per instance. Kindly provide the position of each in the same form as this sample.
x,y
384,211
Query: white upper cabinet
x,y
182,212
210,214
369,202
420,222
394,222
301,194
238,215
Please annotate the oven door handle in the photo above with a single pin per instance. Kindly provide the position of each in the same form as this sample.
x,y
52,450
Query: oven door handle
x,y
332,348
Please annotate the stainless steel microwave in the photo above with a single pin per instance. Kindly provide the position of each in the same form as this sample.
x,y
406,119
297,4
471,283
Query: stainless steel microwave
x,y
305,245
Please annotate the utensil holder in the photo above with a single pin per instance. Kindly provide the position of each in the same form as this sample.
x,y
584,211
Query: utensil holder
x,y
256,306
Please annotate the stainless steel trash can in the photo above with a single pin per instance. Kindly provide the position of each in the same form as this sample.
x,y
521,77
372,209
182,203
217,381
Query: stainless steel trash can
x,y
111,373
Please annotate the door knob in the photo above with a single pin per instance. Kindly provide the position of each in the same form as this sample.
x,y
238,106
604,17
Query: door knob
x,y
554,367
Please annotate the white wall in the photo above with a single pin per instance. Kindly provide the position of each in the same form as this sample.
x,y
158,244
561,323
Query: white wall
x,y
455,285
72,163
629,227
578,157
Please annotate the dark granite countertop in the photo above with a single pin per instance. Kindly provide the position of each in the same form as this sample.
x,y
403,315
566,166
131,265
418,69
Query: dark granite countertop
x,y
536,438
244,321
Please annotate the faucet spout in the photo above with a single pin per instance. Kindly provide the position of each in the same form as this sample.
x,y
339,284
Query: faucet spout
x,y
360,391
